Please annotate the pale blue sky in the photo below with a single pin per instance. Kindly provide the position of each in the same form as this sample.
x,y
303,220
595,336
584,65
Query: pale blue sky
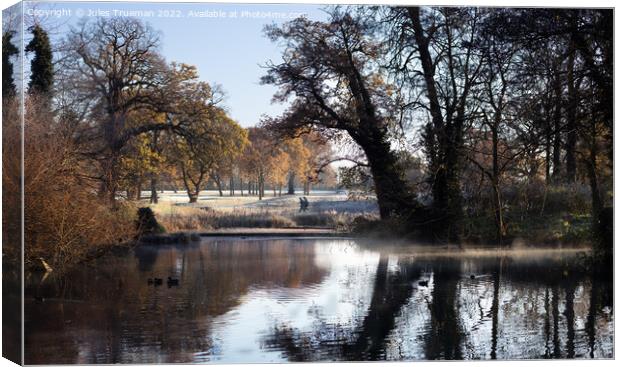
x,y
226,51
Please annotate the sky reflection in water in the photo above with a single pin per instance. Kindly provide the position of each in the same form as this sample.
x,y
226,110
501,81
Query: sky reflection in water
x,y
273,300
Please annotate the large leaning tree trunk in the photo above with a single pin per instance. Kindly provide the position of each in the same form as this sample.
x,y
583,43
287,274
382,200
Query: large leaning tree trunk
x,y
334,77
390,186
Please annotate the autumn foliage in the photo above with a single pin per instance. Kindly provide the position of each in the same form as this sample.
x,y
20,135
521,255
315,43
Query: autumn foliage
x,y
62,222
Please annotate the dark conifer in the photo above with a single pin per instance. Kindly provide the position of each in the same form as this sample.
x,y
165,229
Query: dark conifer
x,y
8,50
41,67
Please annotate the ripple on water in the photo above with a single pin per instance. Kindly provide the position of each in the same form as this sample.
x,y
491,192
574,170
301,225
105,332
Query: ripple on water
x,y
317,300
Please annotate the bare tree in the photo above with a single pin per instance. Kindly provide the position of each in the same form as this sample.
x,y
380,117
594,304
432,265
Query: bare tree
x,y
331,70
115,65
437,46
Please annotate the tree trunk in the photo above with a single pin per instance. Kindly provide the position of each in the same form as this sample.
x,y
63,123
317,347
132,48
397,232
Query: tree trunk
x,y
291,183
497,199
261,186
138,191
218,183
232,185
109,185
571,119
548,154
154,198
187,180
597,203
393,196
130,193
449,186
557,130
499,216
444,146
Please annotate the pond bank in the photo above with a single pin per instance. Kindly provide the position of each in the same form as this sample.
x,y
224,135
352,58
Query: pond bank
x,y
271,232
195,236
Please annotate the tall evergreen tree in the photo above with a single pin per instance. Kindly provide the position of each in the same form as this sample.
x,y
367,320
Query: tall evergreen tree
x,y
8,50
41,68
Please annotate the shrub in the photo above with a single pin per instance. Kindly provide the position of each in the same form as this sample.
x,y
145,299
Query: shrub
x,y
64,219
573,199
251,220
187,218
146,222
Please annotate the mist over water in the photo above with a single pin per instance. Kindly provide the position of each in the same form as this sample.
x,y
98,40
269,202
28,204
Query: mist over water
x,y
277,300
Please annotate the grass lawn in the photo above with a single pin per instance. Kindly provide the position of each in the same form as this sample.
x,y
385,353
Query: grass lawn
x,y
327,209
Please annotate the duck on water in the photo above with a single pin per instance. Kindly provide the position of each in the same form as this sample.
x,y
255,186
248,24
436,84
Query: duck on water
x,y
171,282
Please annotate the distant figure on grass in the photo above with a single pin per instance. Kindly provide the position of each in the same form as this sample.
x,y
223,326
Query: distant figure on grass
x,y
303,204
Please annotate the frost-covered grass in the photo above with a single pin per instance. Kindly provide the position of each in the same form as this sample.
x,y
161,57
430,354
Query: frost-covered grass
x,y
326,210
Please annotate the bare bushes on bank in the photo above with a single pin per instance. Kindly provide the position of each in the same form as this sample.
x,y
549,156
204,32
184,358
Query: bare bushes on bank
x,y
180,218
65,221
11,187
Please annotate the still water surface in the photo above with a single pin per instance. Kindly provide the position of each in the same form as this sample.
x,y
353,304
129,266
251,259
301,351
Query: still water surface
x,y
275,300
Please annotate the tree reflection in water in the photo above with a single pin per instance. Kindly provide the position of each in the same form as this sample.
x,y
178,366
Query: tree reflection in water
x,y
109,314
310,300
521,316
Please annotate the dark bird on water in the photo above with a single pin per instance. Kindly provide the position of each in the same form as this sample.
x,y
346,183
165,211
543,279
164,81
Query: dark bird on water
x,y
171,282
155,281
472,276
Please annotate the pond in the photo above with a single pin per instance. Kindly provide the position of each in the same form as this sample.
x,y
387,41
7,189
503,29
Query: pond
x,y
277,300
